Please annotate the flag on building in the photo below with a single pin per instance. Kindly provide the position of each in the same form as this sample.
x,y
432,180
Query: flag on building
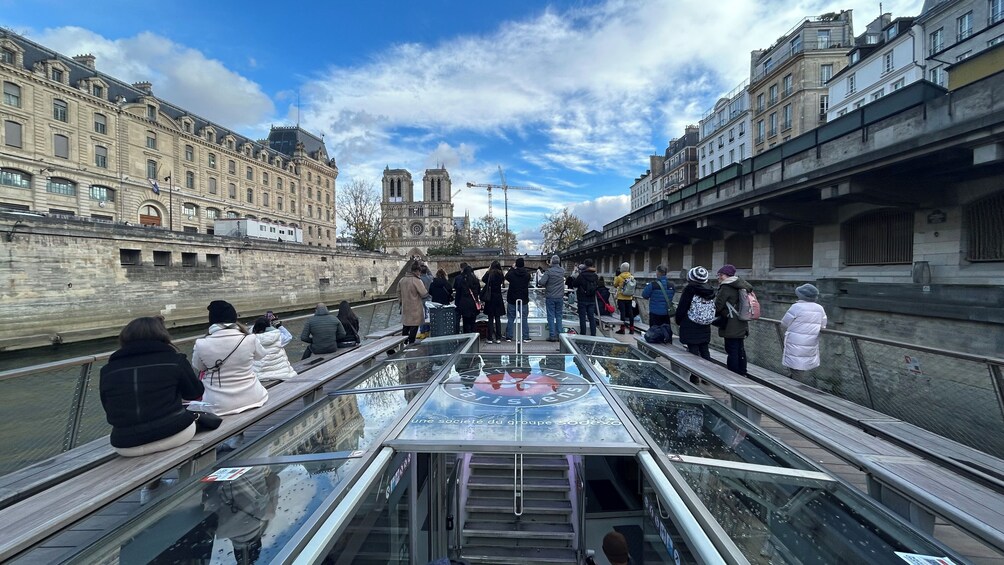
x,y
156,187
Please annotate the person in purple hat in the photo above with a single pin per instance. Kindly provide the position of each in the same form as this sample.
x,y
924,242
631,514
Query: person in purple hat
x,y
734,330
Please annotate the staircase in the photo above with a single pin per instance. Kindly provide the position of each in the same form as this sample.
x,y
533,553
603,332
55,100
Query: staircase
x,y
543,534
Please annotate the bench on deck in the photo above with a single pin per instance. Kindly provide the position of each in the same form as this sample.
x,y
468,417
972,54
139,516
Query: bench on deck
x,y
608,324
913,487
73,497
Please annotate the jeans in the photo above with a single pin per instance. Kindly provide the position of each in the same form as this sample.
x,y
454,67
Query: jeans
x,y
511,313
587,311
736,350
554,312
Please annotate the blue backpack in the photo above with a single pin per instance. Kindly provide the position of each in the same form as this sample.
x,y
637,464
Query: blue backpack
x,y
659,334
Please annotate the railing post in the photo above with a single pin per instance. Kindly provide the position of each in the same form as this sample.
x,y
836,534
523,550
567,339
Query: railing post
x,y
997,378
77,410
865,377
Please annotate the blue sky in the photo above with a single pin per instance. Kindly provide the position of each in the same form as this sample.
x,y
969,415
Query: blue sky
x,y
570,96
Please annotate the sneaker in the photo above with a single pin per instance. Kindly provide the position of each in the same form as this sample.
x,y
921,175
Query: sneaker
x,y
498,341
508,340
527,339
552,339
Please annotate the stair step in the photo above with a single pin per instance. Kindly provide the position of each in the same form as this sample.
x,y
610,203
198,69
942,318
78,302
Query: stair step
x,y
491,540
519,529
529,461
497,555
476,503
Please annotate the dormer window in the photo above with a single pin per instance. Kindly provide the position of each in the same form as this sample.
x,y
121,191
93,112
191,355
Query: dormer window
x,y
151,112
98,90
855,57
57,75
7,56
891,33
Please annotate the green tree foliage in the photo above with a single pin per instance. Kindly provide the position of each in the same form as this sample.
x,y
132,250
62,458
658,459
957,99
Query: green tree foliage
x,y
359,207
454,246
560,230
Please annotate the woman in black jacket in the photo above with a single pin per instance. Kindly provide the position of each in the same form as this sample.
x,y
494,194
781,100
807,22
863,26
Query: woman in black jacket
x,y
695,336
467,290
142,388
440,289
492,298
350,322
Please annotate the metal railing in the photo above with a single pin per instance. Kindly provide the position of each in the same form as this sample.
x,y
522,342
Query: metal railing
x,y
51,408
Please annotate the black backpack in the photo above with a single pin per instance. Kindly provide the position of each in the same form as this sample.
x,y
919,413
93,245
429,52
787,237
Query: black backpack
x,y
588,286
659,334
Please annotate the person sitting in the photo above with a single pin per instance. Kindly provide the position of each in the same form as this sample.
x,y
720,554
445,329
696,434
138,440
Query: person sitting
x,y
227,356
322,332
142,388
350,322
273,338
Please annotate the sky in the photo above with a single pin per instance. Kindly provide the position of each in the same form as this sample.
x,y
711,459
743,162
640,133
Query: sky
x,y
567,96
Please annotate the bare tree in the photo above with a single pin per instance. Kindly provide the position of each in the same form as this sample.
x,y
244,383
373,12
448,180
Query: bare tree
x,y
491,232
560,230
359,205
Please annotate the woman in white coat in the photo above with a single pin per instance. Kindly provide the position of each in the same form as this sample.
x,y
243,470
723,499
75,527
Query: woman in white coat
x,y
227,355
802,324
273,338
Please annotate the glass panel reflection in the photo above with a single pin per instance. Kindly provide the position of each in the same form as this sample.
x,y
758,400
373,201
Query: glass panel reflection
x,y
395,372
609,349
245,520
705,430
663,541
774,519
443,345
638,374
520,398
338,423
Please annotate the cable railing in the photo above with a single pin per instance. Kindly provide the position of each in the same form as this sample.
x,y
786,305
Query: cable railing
x,y
53,407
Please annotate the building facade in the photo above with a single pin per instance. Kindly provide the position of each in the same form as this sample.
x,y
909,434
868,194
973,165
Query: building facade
x,y
77,142
954,30
412,225
641,190
681,162
788,91
724,132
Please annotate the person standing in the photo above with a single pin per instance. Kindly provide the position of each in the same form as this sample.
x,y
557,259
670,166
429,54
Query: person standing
x,y
227,356
660,294
802,324
440,289
321,332
519,289
586,284
734,331
273,338
624,297
553,281
697,337
412,293
426,275
142,387
492,299
467,290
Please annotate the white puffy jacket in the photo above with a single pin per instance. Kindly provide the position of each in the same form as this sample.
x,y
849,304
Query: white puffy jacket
x,y
802,324
275,364
234,388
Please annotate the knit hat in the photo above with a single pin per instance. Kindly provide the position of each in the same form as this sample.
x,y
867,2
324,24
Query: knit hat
x,y
221,312
625,266
582,267
727,270
615,547
698,274
807,292
555,260
520,262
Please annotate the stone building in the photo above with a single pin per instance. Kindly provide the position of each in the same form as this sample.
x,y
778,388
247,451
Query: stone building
x,y
412,227
725,135
77,142
681,162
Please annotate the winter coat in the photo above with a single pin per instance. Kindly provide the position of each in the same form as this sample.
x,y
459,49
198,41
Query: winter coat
x,y
427,279
728,293
440,291
692,333
141,389
412,293
323,331
466,287
494,305
275,363
234,387
582,283
553,281
619,283
519,285
802,324
657,298
351,327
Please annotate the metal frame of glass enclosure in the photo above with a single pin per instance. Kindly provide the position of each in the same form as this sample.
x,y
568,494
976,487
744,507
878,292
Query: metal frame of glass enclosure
x,y
717,489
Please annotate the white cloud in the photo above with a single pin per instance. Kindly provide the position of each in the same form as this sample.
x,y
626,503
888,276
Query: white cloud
x,y
180,75
602,210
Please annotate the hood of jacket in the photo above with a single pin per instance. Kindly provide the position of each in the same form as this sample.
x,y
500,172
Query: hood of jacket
x,y
737,283
269,336
321,310
703,290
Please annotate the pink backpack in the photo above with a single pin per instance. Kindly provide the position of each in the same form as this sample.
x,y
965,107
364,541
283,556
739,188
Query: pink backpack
x,y
749,306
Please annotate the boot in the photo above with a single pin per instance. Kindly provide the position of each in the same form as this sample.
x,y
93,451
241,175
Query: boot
x,y
621,331
633,331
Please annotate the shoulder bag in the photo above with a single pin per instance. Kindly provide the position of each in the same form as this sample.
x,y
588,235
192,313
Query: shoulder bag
x,y
670,307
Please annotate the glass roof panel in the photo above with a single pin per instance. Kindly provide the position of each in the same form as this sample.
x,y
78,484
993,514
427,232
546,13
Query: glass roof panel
x,y
442,345
638,374
776,519
605,348
398,372
519,399
700,429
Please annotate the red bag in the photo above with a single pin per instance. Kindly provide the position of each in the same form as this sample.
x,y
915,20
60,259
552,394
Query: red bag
x,y
606,305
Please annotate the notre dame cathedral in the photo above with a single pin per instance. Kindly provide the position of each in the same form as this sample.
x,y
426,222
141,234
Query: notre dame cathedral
x,y
412,227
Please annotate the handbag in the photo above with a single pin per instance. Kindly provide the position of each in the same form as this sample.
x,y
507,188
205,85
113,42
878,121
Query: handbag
x,y
670,307
205,421
477,303
610,308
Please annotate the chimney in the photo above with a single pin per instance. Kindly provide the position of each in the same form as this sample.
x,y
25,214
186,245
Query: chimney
x,y
145,86
85,60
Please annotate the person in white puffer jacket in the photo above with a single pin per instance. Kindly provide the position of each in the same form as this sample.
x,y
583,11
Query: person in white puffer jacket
x,y
802,324
273,338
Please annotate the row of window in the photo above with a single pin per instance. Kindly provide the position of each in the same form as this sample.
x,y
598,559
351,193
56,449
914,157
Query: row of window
x,y
134,257
66,187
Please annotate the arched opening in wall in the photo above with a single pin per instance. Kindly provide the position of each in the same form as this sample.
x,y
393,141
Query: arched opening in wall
x,y
739,250
149,215
791,246
702,251
984,234
882,237
674,264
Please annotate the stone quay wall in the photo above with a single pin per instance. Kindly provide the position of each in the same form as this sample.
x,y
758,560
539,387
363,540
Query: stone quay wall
x,y
67,280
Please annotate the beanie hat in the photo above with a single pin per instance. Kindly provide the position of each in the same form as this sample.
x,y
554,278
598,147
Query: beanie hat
x,y
698,274
615,547
807,292
221,312
555,260
727,270
625,266
520,262
582,267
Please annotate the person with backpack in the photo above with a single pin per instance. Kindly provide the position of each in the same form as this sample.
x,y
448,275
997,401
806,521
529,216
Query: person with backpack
x,y
695,312
625,285
586,284
660,294
727,307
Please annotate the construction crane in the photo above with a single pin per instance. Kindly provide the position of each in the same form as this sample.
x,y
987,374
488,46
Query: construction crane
x,y
505,193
